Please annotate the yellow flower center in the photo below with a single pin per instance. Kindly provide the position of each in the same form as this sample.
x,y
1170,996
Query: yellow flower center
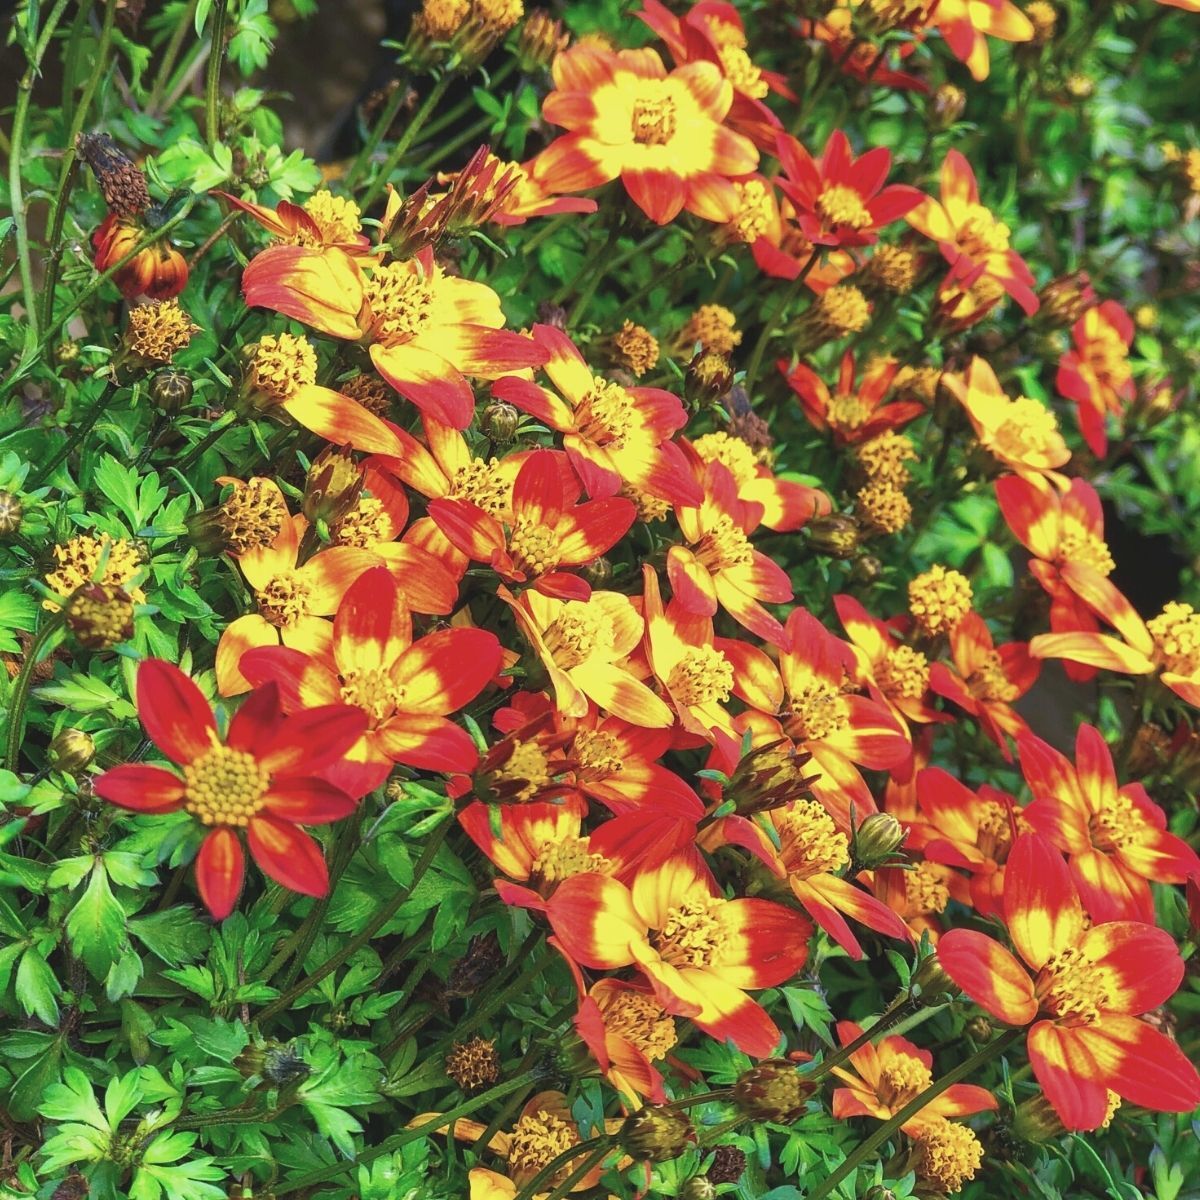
x,y
597,754
741,72
1072,988
364,525
702,676
731,451
252,516
713,327
654,116
842,309
693,935
575,635
925,891
1028,426
637,1018
939,598
883,506
649,508
809,842
281,364
723,546
558,860
839,204
635,348
78,562
397,300
990,684
724,33
979,234
1079,544
819,709
372,690
533,547
442,19
528,765
224,786
284,600
903,673
605,415
893,268
158,330
948,1155
902,1079
754,212
536,1139
1107,356
995,836
481,483
1176,634
335,216
1112,1103
847,412
499,16
1116,823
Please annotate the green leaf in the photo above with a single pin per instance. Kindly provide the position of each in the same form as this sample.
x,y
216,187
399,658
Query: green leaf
x,y
173,935
37,987
96,925
74,1100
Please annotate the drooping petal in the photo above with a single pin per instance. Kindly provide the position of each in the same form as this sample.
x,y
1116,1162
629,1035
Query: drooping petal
x,y
220,868
1069,1075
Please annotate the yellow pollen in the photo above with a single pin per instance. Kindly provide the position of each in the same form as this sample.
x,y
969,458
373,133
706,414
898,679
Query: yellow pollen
x,y
734,453
883,506
481,483
939,598
892,268
723,546
1116,823
921,382
995,836
693,935
654,118
598,755
902,1079
575,635
366,524
224,786
442,19
1072,988
702,676
526,764
373,393
252,515
1028,426
713,326
1112,1103
606,414
637,1018
77,562
281,364
754,212
397,300
847,412
649,508
925,891
809,842
1043,17
980,235
819,709
741,72
839,204
1176,634
1079,544
335,216
159,329
558,860
537,1139
533,547
989,683
903,674
372,690
842,309
284,600
948,1155
499,16
724,33
635,348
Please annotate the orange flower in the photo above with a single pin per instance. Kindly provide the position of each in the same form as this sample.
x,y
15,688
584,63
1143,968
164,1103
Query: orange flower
x,y
548,529
660,131
698,950
159,271
323,220
856,57
970,238
1115,838
613,435
884,1076
427,330
1022,434
986,679
406,689
1088,987
852,414
1095,374
525,196
965,25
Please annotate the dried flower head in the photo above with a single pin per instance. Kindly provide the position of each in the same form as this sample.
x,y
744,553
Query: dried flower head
x,y
473,1065
158,330
634,348
121,181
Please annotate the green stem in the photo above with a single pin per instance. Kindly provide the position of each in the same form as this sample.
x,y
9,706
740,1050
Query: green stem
x,y
452,115
489,1006
561,1159
373,926
170,55
569,1184
212,85
866,1148
445,149
66,174
405,1136
386,118
15,162
769,326
889,1018
19,696
76,436
406,139
210,439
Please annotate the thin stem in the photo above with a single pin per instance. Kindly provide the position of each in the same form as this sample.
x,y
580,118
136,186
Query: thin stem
x,y
386,118
894,1014
212,239
866,1148
75,437
210,439
19,696
769,327
170,54
406,139
561,1159
372,927
485,1009
445,149
569,1184
212,84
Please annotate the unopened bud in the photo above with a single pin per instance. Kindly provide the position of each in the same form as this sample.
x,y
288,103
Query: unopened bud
x,y
11,513
71,751
770,777
170,390
499,421
773,1091
879,1192
1034,1120
709,377
837,535
333,485
100,616
930,981
946,106
656,1134
541,40
980,1028
867,568
597,572
1065,299
877,839
699,1187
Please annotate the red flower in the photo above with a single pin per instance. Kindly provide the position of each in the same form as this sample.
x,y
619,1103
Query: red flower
x,y
260,778
1096,374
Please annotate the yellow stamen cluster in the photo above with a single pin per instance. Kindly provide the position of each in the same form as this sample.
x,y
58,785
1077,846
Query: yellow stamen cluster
x,y
1072,987
605,415
847,411
440,20
693,934
373,690
480,482
636,1017
534,547
1027,428
733,452
702,676
541,40
77,563
995,836
373,393
841,310
980,235
1111,1104
939,598
335,216
100,617
754,212
891,269
537,1139
882,459
398,297
158,330
649,508
1176,634
280,365
714,327
723,546
840,204
284,599
1108,356
1080,544
741,72
498,16
948,1155
921,382
925,889
635,348
654,118
366,524
597,754
560,859
474,1064
575,635
883,506
904,674
1191,170
902,1078
528,765
1044,19
224,786
251,516
818,710
1116,823
990,683
809,842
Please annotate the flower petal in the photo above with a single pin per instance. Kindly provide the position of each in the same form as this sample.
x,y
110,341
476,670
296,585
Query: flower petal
x,y
288,855
173,711
140,788
220,869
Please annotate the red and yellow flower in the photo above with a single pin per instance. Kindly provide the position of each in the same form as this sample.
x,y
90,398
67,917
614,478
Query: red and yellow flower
x,y
699,951
661,132
259,780
1115,838
159,271
323,220
966,25
1095,375
1080,990
525,197
973,242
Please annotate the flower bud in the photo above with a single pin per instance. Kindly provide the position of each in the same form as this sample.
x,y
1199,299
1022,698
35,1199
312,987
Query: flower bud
x,y
980,1028
931,982
867,568
1065,299
71,751
837,535
875,840
699,1187
333,485
121,181
541,40
499,421
656,1134
879,1192
773,1091
597,572
170,390
11,513
100,616
1034,1120
769,777
1155,402
946,106
709,377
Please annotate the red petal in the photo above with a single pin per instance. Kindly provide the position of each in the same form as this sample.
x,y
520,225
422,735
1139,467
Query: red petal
x,y
140,788
173,711
988,974
308,802
288,855
1041,905
220,868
